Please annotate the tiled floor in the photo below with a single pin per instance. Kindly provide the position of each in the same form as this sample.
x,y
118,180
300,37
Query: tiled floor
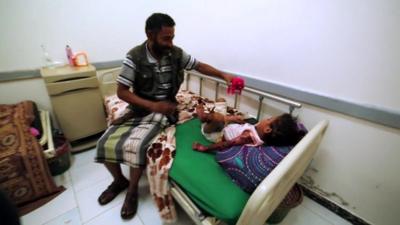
x,y
86,180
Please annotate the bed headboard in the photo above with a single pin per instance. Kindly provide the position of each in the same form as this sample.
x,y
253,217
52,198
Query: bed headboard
x,y
107,81
261,94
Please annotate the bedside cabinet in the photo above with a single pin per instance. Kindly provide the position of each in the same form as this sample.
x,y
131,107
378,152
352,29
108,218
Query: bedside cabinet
x,y
77,102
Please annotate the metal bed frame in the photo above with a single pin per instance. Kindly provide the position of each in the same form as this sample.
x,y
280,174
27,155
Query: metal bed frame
x,y
271,191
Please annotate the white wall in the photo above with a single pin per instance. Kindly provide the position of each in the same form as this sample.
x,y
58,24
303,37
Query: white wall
x,y
346,49
31,89
357,166
331,47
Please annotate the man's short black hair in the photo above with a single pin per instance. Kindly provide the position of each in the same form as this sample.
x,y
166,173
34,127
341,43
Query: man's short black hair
x,y
157,20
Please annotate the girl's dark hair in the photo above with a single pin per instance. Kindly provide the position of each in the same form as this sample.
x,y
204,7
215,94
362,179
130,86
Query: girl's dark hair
x,y
284,131
157,20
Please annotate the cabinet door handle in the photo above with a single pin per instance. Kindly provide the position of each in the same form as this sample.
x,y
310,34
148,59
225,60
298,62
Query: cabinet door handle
x,y
70,79
74,90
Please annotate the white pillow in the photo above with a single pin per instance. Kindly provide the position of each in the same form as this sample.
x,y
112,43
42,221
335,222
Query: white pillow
x,y
115,108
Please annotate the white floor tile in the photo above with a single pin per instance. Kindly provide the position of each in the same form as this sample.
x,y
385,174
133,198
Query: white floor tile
x,y
112,216
183,218
71,217
56,207
88,175
87,200
323,212
64,180
125,171
147,210
303,216
83,158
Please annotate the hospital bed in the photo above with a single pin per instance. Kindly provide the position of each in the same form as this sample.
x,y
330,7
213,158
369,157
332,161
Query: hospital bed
x,y
258,206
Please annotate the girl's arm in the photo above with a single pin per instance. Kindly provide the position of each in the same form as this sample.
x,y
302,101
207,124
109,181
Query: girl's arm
x,y
243,139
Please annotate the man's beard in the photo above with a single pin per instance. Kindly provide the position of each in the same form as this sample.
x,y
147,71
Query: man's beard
x,y
160,50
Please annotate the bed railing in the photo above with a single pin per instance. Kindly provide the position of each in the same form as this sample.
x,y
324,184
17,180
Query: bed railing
x,y
261,94
107,81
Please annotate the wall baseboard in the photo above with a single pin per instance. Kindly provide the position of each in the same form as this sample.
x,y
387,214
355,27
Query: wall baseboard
x,y
19,75
338,210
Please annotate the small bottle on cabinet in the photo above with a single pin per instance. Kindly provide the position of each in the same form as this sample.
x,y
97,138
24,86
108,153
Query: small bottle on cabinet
x,y
70,55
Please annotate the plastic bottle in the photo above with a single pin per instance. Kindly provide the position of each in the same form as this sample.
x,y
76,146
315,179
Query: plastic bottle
x,y
80,59
70,55
49,62
46,57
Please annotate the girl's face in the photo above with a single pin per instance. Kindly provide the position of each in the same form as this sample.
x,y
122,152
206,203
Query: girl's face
x,y
264,126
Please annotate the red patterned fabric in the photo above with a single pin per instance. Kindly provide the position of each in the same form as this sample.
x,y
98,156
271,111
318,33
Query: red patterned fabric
x,y
115,108
161,153
159,160
24,173
160,156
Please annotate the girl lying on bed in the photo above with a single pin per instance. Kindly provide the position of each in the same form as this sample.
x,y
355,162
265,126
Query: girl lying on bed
x,y
226,131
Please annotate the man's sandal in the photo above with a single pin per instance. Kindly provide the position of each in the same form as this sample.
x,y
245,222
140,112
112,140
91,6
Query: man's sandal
x,y
130,206
112,191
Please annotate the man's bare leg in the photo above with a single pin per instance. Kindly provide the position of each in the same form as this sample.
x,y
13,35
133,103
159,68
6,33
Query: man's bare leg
x,y
119,183
130,205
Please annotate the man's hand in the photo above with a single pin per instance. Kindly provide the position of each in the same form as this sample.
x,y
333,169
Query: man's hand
x,y
164,107
228,78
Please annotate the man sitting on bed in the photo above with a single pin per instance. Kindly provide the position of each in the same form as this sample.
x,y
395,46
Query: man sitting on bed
x,y
154,70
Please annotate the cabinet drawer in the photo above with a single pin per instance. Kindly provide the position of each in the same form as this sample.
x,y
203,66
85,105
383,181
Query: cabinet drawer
x,y
67,72
65,86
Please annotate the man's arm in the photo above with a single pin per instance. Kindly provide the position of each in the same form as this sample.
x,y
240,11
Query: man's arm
x,y
211,71
163,107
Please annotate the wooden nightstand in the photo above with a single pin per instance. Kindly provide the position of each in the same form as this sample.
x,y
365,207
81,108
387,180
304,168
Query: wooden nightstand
x,y
77,102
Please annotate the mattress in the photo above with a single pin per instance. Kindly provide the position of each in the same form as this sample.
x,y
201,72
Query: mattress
x,y
202,179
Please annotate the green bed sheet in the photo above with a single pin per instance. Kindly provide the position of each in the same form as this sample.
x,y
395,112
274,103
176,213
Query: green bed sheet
x,y
202,179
